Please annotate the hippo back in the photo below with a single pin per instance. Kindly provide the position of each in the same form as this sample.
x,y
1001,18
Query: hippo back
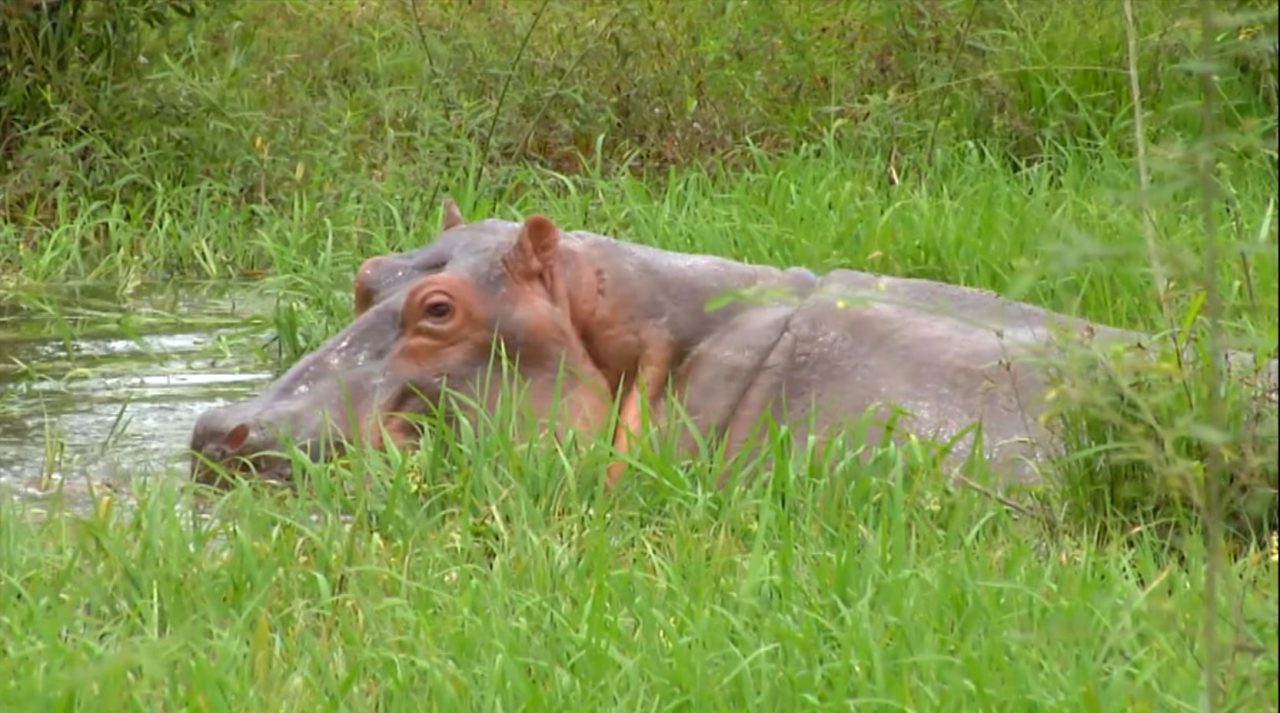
x,y
948,356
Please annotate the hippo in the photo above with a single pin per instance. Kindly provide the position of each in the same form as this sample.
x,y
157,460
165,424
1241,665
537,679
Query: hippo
x,y
600,327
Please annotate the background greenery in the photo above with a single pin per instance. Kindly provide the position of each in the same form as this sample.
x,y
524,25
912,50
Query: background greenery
x,y
978,142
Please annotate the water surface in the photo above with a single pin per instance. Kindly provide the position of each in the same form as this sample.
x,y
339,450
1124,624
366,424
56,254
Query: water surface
x,y
96,389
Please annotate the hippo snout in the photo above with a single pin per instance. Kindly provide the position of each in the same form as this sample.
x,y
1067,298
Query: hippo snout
x,y
258,434
229,438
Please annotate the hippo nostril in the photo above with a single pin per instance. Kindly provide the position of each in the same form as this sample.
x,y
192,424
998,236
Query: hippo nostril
x,y
248,439
208,431
364,292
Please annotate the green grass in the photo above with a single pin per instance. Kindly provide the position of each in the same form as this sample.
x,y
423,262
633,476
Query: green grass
x,y
984,144
1070,242
504,579
487,577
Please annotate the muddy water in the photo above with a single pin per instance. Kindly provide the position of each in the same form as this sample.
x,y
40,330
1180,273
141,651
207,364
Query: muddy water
x,y
97,389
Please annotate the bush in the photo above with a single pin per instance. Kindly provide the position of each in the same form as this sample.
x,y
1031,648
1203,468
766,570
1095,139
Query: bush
x,y
106,99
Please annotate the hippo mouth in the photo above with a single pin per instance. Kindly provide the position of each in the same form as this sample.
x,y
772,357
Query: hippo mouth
x,y
251,451
212,470
403,418
389,415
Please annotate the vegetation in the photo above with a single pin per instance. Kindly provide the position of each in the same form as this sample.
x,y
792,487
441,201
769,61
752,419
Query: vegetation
x,y
981,143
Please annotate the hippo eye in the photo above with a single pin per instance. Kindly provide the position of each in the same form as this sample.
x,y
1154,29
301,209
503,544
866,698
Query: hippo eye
x,y
438,310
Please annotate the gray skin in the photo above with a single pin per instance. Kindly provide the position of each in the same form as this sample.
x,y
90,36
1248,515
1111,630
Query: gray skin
x,y
310,404
943,355
342,374
816,355
947,356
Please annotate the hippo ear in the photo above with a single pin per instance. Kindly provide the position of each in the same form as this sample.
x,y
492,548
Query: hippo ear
x,y
535,248
452,215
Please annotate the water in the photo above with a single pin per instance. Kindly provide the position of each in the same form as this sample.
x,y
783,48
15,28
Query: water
x,y
96,390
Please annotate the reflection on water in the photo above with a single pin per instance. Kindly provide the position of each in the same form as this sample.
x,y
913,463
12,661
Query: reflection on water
x,y
95,390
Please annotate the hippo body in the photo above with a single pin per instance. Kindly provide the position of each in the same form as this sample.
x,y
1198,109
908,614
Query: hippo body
x,y
853,344
614,324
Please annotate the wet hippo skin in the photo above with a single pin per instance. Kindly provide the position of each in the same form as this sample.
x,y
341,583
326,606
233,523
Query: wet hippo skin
x,y
598,326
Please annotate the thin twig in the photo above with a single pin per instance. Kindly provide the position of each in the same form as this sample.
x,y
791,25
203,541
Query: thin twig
x,y
1144,182
502,96
1233,207
1003,500
533,124
942,105
1213,312
422,35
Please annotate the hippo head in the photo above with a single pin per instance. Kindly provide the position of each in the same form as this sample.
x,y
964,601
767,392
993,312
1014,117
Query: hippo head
x,y
425,321
385,275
